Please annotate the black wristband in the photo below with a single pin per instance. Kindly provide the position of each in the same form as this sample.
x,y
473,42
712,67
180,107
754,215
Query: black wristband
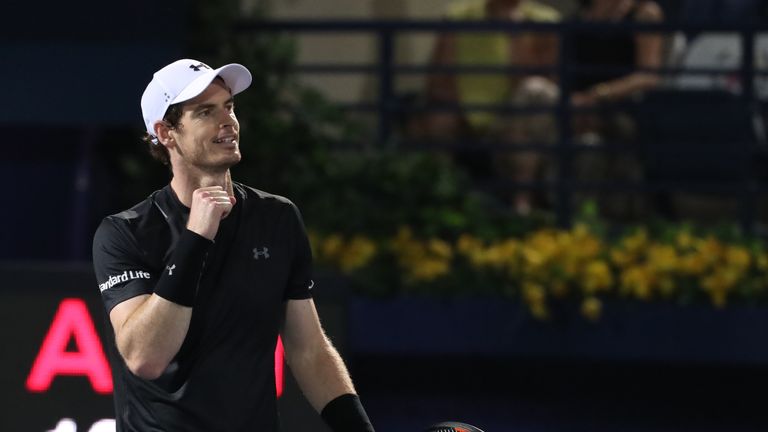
x,y
346,414
178,284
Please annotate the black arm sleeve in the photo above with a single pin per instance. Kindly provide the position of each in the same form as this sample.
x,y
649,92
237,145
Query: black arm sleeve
x,y
120,272
300,280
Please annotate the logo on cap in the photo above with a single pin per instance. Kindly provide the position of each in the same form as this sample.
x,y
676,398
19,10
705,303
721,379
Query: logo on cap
x,y
198,66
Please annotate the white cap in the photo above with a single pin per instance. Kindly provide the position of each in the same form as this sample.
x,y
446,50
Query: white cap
x,y
183,80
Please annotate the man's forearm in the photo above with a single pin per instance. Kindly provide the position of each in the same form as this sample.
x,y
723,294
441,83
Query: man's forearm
x,y
321,375
324,379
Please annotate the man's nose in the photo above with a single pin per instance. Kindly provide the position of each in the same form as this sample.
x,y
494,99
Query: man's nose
x,y
227,118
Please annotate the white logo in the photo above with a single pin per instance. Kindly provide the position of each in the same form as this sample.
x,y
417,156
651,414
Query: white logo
x,y
125,277
170,269
264,253
69,425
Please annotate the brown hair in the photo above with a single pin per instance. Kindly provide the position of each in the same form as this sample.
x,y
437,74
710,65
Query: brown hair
x,y
156,148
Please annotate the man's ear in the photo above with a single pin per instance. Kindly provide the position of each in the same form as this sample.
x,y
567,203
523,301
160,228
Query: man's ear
x,y
163,132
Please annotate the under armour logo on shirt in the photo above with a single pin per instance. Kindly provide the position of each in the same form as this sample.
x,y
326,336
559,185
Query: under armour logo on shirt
x,y
198,66
170,269
264,253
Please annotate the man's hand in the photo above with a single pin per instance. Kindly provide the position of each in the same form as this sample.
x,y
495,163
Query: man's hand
x,y
209,206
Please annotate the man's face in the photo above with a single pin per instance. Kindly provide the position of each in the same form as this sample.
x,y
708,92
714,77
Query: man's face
x,y
209,133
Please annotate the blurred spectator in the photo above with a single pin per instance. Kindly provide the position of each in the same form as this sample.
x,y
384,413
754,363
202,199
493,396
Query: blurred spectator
x,y
495,49
722,11
617,53
612,66
718,50
729,145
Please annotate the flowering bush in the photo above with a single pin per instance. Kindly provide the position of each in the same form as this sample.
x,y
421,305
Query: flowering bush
x,y
549,265
452,240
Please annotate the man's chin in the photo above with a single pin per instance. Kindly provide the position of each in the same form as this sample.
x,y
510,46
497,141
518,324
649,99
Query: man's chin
x,y
232,159
235,159
224,164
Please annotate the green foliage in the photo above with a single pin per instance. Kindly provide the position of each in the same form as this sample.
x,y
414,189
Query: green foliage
x,y
298,144
400,221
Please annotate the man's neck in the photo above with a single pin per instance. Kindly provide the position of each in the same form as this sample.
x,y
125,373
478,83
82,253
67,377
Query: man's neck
x,y
185,183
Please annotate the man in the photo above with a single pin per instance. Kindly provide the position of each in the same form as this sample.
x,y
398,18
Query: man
x,y
201,277
496,48
486,48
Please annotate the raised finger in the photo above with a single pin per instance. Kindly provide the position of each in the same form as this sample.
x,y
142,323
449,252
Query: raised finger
x,y
210,188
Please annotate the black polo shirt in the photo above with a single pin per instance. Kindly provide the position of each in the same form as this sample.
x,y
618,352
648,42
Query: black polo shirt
x,y
222,378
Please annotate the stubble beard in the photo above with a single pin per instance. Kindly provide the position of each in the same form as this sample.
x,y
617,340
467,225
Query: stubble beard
x,y
205,162
220,166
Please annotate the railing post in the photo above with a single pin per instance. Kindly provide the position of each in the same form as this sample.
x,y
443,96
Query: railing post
x,y
747,196
386,89
563,180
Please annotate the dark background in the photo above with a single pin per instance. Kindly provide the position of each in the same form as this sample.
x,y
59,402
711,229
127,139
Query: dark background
x,y
72,75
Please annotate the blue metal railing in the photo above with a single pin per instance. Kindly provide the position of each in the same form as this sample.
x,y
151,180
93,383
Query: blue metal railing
x,y
386,106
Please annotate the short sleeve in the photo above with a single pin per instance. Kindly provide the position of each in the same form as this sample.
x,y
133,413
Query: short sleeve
x,y
300,279
120,274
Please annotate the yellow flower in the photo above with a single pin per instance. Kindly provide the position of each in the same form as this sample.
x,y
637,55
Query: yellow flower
x,y
536,298
591,308
580,230
738,257
504,255
761,261
358,252
596,277
719,284
551,262
693,264
636,242
439,248
332,246
421,261
403,237
621,258
585,245
428,269
539,311
468,245
662,258
473,250
533,257
684,240
533,292
637,280
710,250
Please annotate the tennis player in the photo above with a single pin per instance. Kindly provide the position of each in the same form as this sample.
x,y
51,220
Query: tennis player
x,y
200,278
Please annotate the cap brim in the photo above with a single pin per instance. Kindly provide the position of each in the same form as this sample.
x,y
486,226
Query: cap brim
x,y
236,76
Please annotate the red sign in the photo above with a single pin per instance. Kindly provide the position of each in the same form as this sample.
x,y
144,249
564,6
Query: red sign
x,y
73,322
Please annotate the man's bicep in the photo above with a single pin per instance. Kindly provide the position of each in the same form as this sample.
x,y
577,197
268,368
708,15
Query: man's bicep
x,y
123,310
302,327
